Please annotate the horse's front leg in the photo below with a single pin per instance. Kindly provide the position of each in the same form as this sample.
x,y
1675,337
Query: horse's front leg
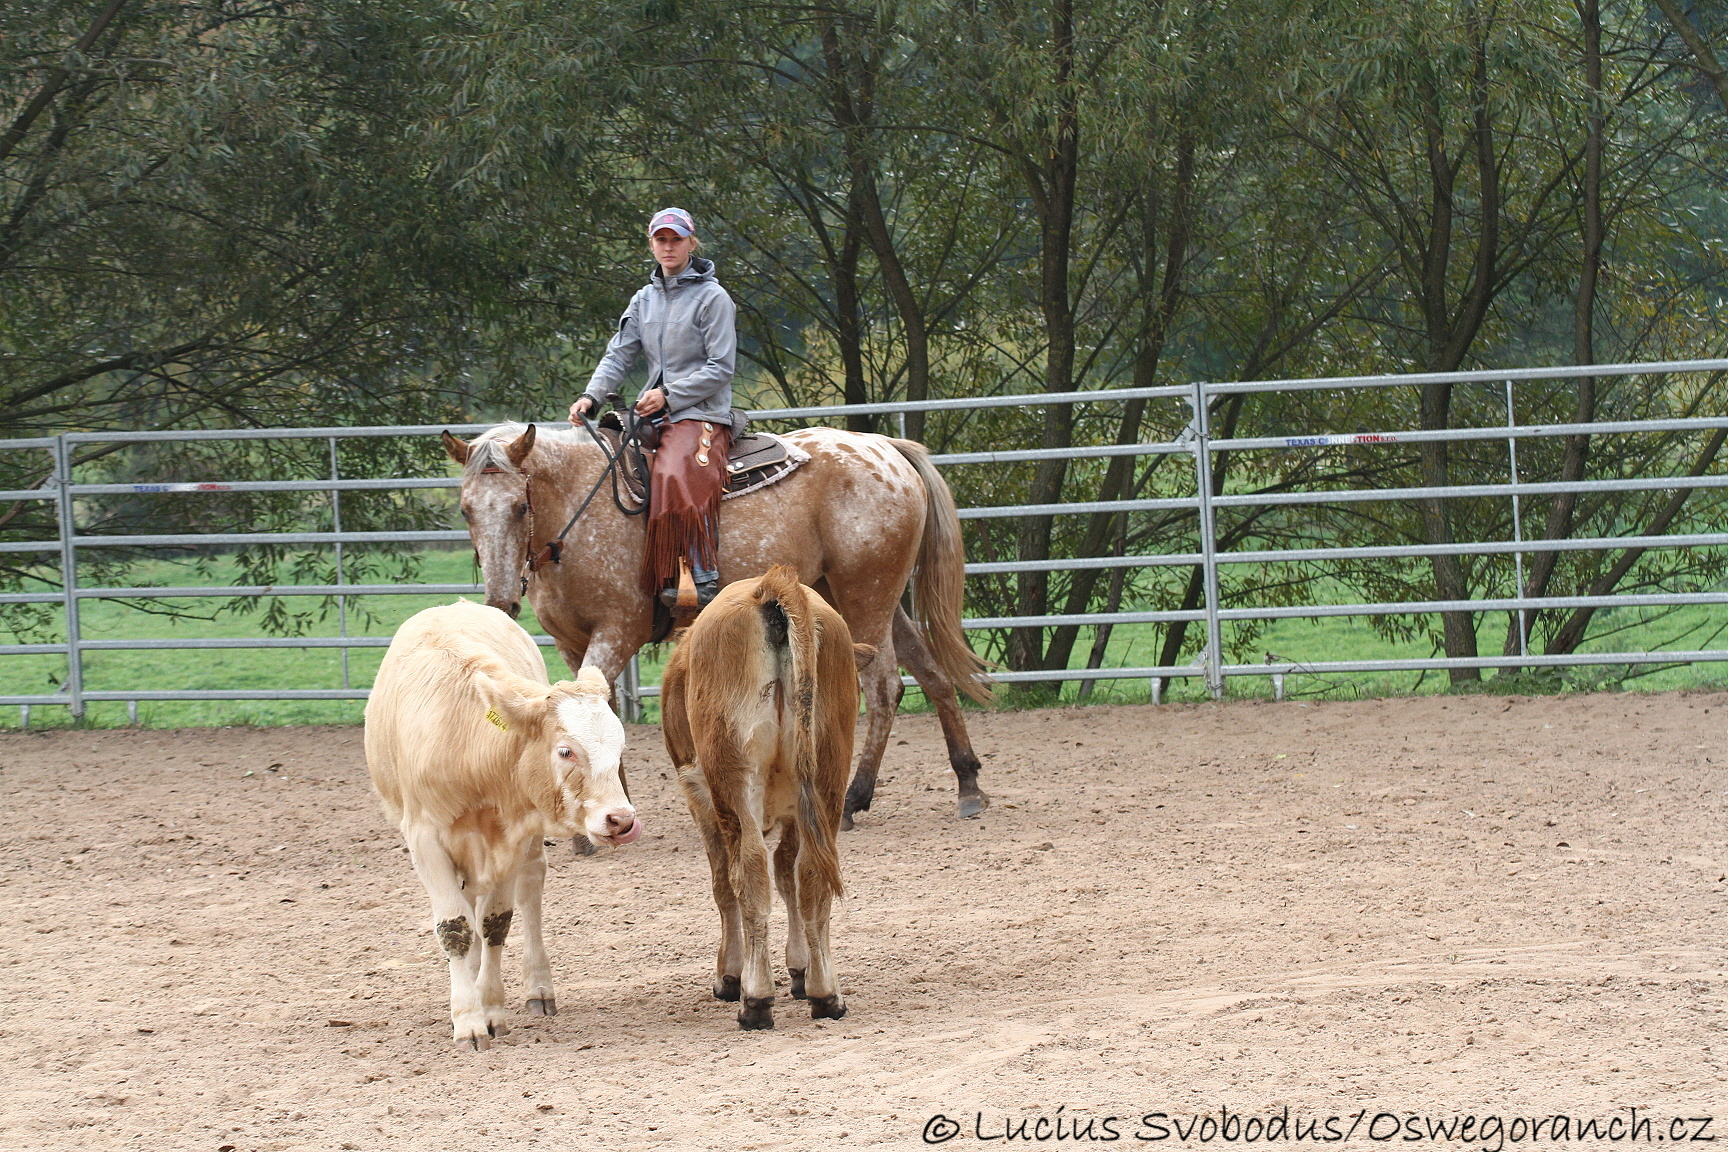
x,y
882,691
613,644
568,636
573,652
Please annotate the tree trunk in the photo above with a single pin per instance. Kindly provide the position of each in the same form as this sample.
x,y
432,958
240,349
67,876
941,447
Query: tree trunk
x,y
1451,333
1707,61
56,79
1112,603
1050,177
1162,296
852,87
1571,633
1564,505
849,321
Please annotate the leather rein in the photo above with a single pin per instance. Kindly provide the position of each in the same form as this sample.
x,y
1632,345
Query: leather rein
x,y
630,443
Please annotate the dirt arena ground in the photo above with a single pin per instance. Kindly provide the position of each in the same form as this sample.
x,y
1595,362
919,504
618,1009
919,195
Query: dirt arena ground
x,y
1424,907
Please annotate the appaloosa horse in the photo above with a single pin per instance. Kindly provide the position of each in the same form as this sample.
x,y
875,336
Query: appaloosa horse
x,y
865,517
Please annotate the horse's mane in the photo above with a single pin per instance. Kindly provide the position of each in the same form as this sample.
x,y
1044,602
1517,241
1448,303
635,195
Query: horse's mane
x,y
489,449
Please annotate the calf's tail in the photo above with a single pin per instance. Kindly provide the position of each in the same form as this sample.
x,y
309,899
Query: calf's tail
x,y
791,630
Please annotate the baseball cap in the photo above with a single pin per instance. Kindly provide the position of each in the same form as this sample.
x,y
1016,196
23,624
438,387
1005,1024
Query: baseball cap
x,y
676,219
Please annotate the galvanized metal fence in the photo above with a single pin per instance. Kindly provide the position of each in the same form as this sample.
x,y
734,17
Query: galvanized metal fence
x,y
1196,441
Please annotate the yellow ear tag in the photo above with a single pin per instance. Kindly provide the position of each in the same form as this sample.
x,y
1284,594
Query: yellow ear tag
x,y
492,715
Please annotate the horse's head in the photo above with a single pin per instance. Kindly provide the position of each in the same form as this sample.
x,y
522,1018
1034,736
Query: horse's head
x,y
495,504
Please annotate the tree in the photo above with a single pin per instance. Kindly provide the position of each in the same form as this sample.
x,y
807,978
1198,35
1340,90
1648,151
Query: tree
x,y
221,215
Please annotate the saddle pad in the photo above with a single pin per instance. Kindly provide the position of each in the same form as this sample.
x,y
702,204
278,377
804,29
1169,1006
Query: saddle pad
x,y
758,459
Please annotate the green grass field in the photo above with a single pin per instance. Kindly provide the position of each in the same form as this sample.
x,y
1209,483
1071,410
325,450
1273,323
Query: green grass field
x,y
1299,640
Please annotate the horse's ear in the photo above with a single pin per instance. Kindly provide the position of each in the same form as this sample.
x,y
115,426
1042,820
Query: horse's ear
x,y
521,446
458,449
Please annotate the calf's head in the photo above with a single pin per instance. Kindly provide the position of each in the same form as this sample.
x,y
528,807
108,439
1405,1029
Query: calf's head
x,y
573,744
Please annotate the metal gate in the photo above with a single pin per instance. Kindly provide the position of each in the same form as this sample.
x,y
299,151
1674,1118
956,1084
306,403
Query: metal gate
x,y
1197,442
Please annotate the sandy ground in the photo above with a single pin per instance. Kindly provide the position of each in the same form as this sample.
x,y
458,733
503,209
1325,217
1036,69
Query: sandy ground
x,y
1420,907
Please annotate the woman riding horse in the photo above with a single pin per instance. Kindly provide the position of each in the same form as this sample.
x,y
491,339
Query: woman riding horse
x,y
682,321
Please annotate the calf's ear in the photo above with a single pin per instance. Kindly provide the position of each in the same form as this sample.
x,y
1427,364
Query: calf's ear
x,y
458,449
863,654
511,701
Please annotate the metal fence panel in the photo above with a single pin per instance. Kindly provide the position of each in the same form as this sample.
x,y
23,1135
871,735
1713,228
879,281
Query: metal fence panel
x,y
1205,502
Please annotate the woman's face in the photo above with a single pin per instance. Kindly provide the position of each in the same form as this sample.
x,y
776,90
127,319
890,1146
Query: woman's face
x,y
671,250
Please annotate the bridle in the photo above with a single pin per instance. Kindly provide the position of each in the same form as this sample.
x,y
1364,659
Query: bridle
x,y
630,442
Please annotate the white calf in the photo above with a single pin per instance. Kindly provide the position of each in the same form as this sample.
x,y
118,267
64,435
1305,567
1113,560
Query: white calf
x,y
477,758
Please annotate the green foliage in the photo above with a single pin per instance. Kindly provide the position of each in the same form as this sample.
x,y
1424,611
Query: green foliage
x,y
218,215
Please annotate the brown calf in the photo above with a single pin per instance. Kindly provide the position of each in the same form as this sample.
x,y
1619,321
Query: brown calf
x,y
758,705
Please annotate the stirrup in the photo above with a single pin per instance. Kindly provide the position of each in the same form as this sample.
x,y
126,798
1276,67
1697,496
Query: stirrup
x,y
705,593
682,598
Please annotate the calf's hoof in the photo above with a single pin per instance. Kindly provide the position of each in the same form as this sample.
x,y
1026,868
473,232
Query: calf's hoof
x,y
827,1007
473,1030
543,1006
797,975
728,988
758,1013
973,804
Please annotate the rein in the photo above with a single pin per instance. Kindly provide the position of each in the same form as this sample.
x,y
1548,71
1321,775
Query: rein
x,y
553,550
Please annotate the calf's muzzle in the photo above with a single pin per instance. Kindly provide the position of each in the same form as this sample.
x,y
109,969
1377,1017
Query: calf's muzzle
x,y
622,826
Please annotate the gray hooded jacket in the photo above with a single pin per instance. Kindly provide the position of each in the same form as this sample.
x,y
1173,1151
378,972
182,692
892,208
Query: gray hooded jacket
x,y
687,331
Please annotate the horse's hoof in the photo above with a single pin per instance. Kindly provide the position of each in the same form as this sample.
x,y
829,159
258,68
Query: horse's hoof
x,y
858,797
846,824
582,846
797,975
973,805
757,1014
827,1007
543,1006
728,988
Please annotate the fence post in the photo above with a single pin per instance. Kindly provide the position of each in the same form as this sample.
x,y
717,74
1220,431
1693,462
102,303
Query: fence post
x,y
336,526
1214,651
1517,525
69,575
630,690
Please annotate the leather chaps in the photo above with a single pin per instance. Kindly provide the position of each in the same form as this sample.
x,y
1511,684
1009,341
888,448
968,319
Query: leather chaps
x,y
688,478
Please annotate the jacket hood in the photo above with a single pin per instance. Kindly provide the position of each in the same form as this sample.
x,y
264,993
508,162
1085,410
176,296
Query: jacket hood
x,y
698,270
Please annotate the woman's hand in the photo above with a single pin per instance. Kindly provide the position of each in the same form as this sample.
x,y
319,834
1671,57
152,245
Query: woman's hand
x,y
582,406
650,402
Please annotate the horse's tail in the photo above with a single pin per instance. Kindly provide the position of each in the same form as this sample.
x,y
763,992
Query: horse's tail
x,y
939,580
792,628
